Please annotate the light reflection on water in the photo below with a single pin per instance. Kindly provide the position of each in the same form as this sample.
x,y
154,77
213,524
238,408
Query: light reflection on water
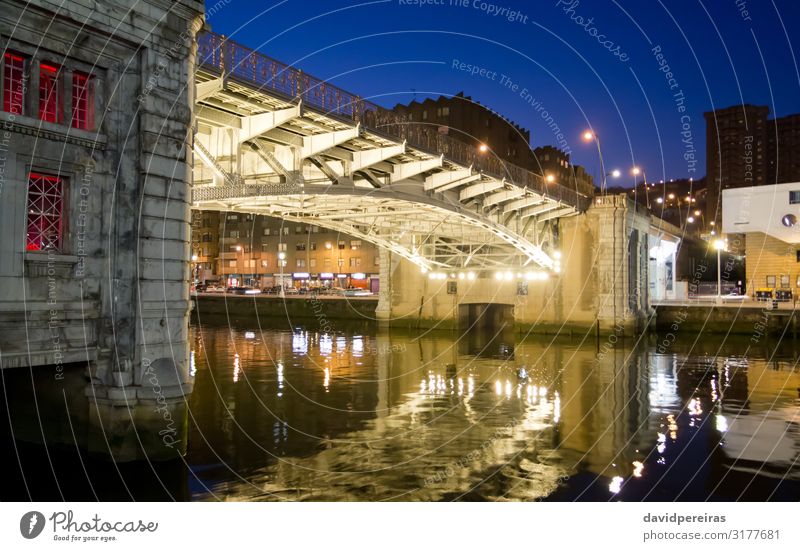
x,y
307,416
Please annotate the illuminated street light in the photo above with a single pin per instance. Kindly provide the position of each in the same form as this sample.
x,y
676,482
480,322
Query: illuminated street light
x,y
690,219
550,178
636,171
238,248
194,258
483,148
590,136
659,200
616,173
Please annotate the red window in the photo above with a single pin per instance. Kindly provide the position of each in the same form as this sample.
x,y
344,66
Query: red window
x,y
82,101
50,104
45,212
13,83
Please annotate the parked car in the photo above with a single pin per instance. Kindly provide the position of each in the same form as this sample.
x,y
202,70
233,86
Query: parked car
x,y
215,289
244,291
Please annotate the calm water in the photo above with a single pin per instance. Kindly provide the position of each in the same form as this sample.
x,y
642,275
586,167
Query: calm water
x,y
280,415
299,415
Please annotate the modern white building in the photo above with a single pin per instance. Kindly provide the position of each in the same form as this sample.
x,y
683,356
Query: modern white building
x,y
766,219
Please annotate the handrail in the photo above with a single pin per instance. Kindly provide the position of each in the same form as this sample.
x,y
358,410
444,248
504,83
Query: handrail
x,y
232,60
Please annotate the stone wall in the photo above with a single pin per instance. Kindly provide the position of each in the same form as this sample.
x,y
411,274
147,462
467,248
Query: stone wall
x,y
602,287
115,294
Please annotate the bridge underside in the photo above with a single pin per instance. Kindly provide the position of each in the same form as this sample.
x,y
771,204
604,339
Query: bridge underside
x,y
261,148
432,234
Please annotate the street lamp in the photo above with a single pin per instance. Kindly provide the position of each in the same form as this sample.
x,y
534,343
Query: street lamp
x,y
636,171
550,178
281,258
719,245
589,136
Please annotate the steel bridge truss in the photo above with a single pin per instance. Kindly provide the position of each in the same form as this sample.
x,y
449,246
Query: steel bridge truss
x,y
258,151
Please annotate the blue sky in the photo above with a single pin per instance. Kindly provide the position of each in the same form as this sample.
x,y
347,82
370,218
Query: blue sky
x,y
587,62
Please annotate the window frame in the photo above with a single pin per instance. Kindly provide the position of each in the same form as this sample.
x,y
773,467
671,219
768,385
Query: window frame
x,y
63,207
87,122
54,73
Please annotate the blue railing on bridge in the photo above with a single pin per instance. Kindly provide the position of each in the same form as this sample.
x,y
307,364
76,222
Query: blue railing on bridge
x,y
232,60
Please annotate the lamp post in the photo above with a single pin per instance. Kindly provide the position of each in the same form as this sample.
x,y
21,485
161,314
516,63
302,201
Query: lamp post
x,y
636,171
589,136
719,245
281,258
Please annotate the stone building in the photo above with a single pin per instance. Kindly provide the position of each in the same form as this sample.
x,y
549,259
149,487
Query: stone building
x,y
96,141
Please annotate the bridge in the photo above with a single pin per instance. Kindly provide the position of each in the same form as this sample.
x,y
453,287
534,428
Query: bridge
x,y
104,291
274,140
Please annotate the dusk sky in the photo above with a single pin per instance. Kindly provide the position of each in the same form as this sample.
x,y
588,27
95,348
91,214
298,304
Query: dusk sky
x,y
587,63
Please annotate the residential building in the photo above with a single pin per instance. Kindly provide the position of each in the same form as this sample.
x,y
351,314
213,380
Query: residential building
x,y
469,121
549,161
244,249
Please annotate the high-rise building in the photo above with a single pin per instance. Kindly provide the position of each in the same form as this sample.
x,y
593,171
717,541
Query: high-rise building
x,y
746,148
783,153
736,151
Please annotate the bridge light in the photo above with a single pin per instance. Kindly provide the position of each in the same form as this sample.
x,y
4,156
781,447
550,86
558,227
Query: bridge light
x,y
483,148
461,275
588,136
470,275
550,178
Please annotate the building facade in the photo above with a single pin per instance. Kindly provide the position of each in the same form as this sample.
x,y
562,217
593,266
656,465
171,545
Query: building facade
x,y
767,217
551,161
744,147
94,189
245,249
475,124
